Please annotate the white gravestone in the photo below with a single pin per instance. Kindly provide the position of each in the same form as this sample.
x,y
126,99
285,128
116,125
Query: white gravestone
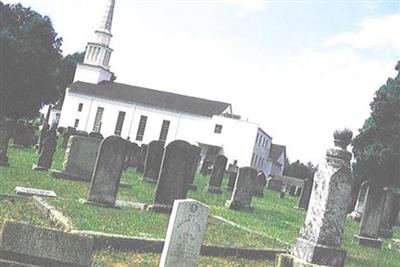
x,y
26,191
184,238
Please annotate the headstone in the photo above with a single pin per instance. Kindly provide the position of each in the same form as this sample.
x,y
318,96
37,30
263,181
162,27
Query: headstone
x,y
18,140
96,135
82,133
152,166
80,159
396,209
192,168
184,238
371,217
172,181
385,226
5,139
35,246
134,155
142,158
261,182
232,174
299,189
357,213
244,190
321,236
107,172
66,135
217,175
274,184
26,191
49,146
205,167
292,190
305,194
44,129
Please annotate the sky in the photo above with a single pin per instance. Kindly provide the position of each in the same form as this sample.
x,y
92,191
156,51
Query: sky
x,y
301,69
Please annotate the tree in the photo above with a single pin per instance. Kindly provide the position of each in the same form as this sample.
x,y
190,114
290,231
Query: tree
x,y
377,147
300,170
30,53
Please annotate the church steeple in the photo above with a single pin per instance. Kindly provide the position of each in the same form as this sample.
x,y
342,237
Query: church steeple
x,y
95,67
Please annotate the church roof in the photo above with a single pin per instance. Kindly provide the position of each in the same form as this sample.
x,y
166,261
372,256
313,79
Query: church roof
x,y
150,97
276,151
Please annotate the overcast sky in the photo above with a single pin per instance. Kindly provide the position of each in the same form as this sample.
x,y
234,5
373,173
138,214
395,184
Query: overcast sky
x,y
300,69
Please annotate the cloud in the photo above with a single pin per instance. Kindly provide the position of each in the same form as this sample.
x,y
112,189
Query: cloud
x,y
372,33
250,5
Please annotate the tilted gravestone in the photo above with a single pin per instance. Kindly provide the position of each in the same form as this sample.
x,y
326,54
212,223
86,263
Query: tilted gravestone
x,y
80,159
192,168
244,190
142,158
217,175
5,129
305,194
152,166
360,204
385,226
185,232
232,174
371,217
49,146
172,181
107,172
321,235
261,182
25,244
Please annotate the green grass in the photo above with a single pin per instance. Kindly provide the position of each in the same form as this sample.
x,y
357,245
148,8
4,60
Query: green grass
x,y
273,218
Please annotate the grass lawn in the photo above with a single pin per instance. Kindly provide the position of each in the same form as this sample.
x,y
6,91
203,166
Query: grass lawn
x,y
274,221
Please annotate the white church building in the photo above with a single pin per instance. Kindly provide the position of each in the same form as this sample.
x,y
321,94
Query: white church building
x,y
95,103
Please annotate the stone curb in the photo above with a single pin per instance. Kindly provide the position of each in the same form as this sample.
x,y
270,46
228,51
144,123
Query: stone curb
x,y
52,214
142,245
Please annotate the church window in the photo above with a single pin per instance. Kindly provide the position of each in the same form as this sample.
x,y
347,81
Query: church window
x,y
120,123
106,58
218,129
89,52
80,107
164,130
98,119
76,123
141,128
97,53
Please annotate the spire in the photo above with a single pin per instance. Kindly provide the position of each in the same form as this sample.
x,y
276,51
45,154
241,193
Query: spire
x,y
108,17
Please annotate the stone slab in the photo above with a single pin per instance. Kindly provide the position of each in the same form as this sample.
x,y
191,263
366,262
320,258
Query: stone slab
x,y
26,191
34,245
287,260
367,242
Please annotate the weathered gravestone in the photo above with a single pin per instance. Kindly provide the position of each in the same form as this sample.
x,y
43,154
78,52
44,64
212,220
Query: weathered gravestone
x,y
371,217
80,159
27,245
274,184
184,238
232,174
49,146
385,226
173,176
261,182
66,135
82,133
96,135
107,172
26,191
152,166
134,154
192,169
360,204
217,175
19,134
5,128
142,158
44,129
305,194
205,167
244,190
321,236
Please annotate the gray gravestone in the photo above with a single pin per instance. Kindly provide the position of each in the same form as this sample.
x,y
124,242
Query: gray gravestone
x,y
184,238
299,189
152,166
134,155
27,244
26,191
192,168
385,226
292,190
261,182
217,175
205,167
96,135
371,217
305,194
321,236
360,204
232,174
67,134
80,159
18,140
107,172
5,139
244,190
49,146
142,158
274,184
173,176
